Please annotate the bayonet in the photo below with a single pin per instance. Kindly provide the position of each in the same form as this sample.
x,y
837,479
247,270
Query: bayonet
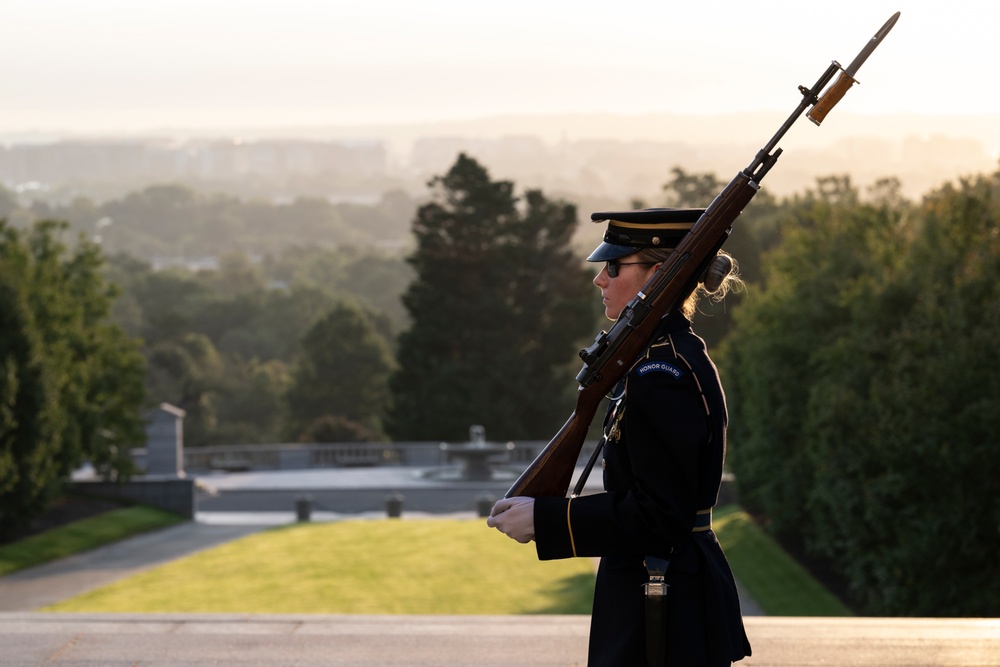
x,y
853,68
846,79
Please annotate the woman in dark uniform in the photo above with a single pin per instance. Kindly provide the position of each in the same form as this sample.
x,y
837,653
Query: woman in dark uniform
x,y
665,441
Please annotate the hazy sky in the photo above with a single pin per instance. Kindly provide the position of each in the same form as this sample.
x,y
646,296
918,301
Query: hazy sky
x,y
128,65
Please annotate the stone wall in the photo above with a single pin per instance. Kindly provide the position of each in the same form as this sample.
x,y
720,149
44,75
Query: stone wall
x,y
172,495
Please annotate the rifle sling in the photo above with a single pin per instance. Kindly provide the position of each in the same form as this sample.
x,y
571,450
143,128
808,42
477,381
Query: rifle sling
x,y
580,483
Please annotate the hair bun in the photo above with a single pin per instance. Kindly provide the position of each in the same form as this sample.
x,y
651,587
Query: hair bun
x,y
717,271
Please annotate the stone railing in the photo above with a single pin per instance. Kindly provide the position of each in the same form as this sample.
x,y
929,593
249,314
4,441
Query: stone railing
x,y
298,456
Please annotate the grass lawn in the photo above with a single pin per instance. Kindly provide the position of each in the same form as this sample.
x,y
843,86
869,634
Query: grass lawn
x,y
432,566
776,582
386,566
82,535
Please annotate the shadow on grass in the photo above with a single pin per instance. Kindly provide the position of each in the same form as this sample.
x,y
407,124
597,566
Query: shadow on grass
x,y
569,595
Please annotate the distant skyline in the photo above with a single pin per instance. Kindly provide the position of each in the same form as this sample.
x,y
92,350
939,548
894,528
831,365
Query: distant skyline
x,y
116,67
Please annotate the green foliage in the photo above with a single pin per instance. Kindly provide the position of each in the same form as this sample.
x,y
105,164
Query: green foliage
x,y
686,190
864,394
788,336
499,304
70,382
343,371
376,279
337,428
249,399
222,344
30,422
187,371
920,500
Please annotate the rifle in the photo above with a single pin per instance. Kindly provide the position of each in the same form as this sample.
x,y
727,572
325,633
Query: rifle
x,y
613,352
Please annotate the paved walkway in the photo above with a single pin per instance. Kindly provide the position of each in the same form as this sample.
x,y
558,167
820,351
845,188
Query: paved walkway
x,y
165,640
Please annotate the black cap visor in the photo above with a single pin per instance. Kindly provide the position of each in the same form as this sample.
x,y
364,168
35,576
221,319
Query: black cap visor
x,y
606,251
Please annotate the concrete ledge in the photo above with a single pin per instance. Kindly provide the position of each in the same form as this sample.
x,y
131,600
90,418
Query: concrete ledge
x,y
194,640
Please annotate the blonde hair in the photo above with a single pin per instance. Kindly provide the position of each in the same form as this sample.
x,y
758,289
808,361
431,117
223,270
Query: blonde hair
x,y
721,277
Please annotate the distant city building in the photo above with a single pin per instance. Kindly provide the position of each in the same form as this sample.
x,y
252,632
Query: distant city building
x,y
66,162
192,264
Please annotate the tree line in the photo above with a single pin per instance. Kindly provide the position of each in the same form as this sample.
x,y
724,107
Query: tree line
x,y
858,362
862,380
246,349
173,220
301,345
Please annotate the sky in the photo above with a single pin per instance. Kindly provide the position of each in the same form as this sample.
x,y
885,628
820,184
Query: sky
x,y
125,66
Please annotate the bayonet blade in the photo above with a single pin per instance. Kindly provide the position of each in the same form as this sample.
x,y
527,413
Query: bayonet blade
x,y
853,68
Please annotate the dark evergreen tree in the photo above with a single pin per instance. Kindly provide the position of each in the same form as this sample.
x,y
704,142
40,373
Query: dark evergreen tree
x,y
499,305
30,420
343,371
70,382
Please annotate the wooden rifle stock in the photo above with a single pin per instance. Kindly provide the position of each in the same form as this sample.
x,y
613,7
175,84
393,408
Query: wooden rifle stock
x,y
613,352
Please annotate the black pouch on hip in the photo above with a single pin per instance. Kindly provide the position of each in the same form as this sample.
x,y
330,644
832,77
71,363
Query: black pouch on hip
x,y
656,603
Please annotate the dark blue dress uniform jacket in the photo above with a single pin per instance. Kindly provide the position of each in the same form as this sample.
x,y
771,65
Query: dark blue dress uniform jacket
x,y
666,442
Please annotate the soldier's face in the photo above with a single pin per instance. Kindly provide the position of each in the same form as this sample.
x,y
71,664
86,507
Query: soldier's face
x,y
618,291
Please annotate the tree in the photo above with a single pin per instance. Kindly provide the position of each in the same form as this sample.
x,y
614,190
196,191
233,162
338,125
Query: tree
x,y
249,404
863,391
921,446
70,382
686,190
343,371
369,276
777,348
187,371
221,343
498,305
30,421
329,428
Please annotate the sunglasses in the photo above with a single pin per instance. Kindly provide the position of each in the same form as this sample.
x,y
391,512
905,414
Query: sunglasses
x,y
612,266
